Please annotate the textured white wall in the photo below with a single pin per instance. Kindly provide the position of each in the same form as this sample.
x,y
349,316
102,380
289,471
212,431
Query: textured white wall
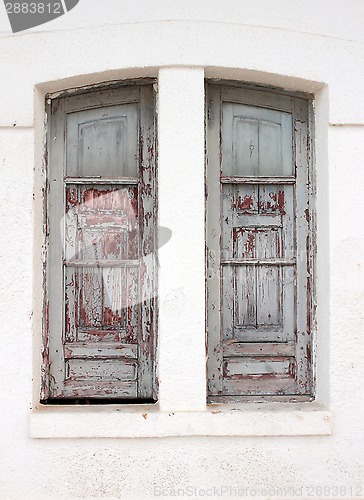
x,y
313,45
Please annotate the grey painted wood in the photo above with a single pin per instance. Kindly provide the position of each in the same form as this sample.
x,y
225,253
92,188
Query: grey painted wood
x,y
94,99
304,264
101,269
264,259
100,351
213,276
147,293
54,284
256,141
271,349
103,141
262,98
258,179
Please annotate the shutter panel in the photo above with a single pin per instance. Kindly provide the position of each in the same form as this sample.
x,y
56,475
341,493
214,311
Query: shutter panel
x,y
257,268
102,236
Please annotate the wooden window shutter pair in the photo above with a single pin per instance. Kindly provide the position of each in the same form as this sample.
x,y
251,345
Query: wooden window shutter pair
x,y
100,311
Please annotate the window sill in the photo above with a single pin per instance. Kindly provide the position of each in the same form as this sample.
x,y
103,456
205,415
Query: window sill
x,y
141,422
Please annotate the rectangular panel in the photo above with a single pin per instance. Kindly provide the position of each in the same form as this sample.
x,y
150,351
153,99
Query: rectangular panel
x,y
256,141
238,367
103,389
100,335
245,297
245,199
104,351
102,304
113,297
259,385
272,200
101,222
257,243
103,142
270,349
82,369
269,296
260,333
228,302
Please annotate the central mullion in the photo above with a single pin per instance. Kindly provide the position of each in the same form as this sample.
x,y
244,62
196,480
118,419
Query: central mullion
x,y
182,366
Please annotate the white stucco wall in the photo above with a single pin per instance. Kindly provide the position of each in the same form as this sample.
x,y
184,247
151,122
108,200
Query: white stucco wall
x,y
269,451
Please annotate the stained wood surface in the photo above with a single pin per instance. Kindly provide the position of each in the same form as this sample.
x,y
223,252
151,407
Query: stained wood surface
x,y
102,245
257,317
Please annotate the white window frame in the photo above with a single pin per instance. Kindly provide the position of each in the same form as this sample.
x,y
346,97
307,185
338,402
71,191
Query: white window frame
x,y
182,408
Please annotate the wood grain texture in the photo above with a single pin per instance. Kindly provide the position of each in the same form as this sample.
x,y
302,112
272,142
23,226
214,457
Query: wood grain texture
x,y
257,158
102,245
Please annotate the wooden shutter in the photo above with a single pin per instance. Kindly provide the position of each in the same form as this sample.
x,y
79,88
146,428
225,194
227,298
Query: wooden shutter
x,y
101,254
259,255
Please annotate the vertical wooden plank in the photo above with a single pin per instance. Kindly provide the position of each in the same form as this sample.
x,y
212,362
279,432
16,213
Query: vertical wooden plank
x,y
289,274
113,297
227,216
246,296
133,305
72,300
245,139
91,297
269,296
287,144
147,225
304,338
213,230
56,208
229,300
270,147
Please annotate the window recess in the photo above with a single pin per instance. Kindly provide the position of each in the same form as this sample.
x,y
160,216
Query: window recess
x,y
260,248
100,279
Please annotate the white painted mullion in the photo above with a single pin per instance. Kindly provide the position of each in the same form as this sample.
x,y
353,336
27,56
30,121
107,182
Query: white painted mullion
x,y
182,353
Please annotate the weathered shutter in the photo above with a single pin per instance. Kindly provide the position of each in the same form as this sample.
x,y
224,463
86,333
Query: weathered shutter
x,y
258,245
102,223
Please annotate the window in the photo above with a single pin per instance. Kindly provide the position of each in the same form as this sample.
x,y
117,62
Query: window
x,y
100,321
260,246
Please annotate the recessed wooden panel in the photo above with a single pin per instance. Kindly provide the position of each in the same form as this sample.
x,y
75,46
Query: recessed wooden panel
x,y
101,222
82,369
240,367
269,296
102,304
256,141
259,385
109,350
103,141
100,389
257,243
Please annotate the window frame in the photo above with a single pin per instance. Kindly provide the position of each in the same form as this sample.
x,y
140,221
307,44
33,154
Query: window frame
x,y
301,106
189,415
